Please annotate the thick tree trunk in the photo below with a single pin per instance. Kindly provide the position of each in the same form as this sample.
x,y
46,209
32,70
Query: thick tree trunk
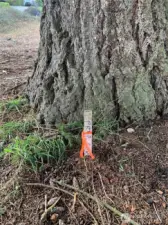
x,y
106,55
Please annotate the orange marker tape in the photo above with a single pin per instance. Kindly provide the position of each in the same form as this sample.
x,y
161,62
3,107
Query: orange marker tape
x,y
85,146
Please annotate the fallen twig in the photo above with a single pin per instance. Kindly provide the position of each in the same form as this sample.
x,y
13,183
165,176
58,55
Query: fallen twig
x,y
74,202
98,205
93,217
45,203
104,204
148,134
101,180
15,87
157,213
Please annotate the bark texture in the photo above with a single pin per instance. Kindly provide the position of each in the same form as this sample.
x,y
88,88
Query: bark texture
x,y
110,56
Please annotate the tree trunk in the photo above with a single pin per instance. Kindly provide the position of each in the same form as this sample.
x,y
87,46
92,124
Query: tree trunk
x,y
106,55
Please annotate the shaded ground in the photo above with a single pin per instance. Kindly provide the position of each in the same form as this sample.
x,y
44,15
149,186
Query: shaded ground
x,y
17,55
130,171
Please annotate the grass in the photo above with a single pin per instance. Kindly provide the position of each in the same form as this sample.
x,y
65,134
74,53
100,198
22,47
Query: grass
x,y
9,18
27,144
12,105
4,5
12,129
40,8
33,149
104,128
36,151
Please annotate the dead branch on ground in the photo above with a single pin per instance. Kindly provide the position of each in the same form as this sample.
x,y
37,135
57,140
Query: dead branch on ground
x,y
101,203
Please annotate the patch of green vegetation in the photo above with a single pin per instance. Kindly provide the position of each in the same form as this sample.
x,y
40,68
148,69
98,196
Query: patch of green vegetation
x,y
35,151
39,3
40,8
12,129
9,18
15,2
103,128
71,132
12,105
4,5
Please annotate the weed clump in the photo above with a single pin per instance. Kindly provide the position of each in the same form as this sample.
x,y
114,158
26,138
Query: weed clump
x,y
12,105
12,129
35,151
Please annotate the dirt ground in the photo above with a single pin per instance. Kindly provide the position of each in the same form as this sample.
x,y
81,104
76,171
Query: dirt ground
x,y
18,50
130,171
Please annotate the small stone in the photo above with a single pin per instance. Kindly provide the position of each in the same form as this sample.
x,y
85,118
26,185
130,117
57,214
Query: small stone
x,y
61,222
126,188
130,130
150,201
58,210
167,146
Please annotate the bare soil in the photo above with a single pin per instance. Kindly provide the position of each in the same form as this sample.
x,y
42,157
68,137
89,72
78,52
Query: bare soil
x,y
18,50
130,171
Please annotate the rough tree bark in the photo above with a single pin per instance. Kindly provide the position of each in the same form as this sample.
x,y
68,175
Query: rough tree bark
x,y
106,55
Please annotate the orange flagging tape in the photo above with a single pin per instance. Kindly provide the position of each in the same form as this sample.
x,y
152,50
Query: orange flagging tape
x,y
85,146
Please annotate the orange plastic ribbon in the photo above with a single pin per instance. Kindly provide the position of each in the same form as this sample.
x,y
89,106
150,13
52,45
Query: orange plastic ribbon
x,y
85,146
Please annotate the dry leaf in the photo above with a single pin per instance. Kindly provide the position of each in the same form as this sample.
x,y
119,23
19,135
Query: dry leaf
x,y
127,205
124,223
75,183
159,192
51,201
133,208
166,191
164,204
54,217
157,221
125,145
